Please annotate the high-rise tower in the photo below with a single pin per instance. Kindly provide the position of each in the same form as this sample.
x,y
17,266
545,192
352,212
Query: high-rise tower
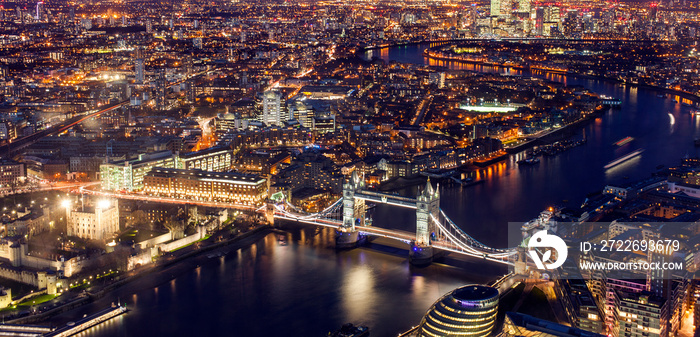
x,y
272,114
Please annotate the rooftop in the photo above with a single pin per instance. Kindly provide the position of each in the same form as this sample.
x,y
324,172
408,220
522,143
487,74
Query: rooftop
x,y
199,174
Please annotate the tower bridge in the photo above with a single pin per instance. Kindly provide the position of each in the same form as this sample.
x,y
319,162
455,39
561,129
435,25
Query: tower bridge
x,y
435,231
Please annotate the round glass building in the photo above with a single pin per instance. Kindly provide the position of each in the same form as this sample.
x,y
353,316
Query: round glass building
x,y
467,311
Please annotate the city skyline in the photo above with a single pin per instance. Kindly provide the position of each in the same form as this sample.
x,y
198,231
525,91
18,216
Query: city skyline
x,y
411,168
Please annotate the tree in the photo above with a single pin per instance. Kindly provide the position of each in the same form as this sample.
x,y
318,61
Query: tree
x,y
175,226
194,215
137,218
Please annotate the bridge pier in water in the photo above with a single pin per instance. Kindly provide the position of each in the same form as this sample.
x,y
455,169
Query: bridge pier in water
x,y
420,255
346,240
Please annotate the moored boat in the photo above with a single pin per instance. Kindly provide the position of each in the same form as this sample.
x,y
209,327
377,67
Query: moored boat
x,y
529,161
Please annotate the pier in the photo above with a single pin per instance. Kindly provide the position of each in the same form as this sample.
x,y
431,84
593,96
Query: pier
x,y
23,330
72,328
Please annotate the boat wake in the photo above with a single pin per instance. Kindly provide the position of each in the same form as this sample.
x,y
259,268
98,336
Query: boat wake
x,y
623,159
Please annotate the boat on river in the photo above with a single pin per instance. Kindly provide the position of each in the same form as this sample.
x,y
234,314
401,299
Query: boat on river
x,y
529,161
624,141
623,159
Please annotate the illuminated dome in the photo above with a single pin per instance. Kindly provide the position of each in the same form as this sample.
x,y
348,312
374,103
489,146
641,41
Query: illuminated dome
x,y
467,311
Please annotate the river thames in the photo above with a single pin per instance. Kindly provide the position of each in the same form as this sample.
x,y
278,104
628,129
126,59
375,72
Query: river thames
x,y
300,285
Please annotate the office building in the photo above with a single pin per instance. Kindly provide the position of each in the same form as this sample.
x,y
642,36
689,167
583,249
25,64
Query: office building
x,y
231,187
272,109
39,10
579,305
642,315
215,159
518,324
495,7
11,173
467,311
524,6
539,21
127,175
302,112
139,70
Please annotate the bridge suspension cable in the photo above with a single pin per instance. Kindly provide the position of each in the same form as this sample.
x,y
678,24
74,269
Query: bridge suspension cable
x,y
300,214
466,237
460,239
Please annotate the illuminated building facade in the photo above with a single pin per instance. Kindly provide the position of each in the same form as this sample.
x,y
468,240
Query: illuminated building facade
x,y
524,6
232,187
518,324
128,175
642,315
302,112
326,92
270,136
495,7
263,163
98,222
272,109
7,130
11,172
139,70
228,122
579,305
212,159
469,311
324,123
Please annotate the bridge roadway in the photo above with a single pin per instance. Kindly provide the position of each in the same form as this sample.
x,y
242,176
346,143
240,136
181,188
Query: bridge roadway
x,y
468,248
395,234
404,236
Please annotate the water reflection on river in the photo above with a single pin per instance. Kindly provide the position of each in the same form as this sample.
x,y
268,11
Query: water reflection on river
x,y
297,286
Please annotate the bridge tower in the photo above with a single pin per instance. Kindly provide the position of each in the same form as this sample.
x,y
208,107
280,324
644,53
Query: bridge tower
x,y
353,213
427,207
